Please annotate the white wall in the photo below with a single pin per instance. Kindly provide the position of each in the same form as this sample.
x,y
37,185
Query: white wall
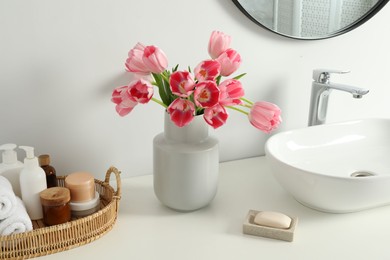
x,y
60,60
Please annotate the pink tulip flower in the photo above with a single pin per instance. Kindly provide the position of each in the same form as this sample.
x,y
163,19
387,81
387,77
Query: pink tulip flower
x,y
207,70
182,83
124,103
134,62
206,94
116,96
231,92
155,59
218,43
265,116
182,111
141,91
230,61
215,116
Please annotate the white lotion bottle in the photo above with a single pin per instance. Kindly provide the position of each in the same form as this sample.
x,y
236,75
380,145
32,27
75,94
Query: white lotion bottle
x,y
32,182
10,167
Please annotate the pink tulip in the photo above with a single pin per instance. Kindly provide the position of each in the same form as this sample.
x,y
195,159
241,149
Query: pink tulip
x,y
215,116
182,83
141,91
155,59
265,116
134,62
181,111
116,96
230,61
207,70
124,103
144,60
124,109
206,94
231,92
218,43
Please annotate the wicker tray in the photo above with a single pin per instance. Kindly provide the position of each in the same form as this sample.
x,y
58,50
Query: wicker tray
x,y
44,240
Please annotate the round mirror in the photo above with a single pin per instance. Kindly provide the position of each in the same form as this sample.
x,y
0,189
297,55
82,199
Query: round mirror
x,y
310,19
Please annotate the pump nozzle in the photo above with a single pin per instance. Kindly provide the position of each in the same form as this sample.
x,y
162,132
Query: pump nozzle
x,y
30,160
29,151
9,155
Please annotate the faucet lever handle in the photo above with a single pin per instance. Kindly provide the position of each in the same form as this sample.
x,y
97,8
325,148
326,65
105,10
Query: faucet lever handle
x,y
323,75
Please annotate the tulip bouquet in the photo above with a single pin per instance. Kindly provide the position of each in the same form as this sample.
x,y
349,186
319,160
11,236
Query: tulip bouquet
x,y
186,94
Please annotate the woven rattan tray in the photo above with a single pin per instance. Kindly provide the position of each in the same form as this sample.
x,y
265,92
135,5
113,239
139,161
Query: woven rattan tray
x,y
44,240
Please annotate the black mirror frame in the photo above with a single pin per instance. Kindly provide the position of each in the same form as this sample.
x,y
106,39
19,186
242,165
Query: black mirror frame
x,y
377,7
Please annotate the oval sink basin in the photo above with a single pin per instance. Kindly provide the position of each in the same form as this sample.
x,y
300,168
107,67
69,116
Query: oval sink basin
x,y
339,168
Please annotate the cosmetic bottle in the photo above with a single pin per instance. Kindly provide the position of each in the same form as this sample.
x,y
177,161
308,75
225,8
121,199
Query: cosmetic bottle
x,y
10,167
32,182
50,171
55,205
84,199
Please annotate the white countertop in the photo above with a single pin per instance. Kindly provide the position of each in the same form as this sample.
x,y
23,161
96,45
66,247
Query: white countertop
x,y
145,229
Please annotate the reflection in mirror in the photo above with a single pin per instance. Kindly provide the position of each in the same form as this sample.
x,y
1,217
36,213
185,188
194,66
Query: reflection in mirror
x,y
310,19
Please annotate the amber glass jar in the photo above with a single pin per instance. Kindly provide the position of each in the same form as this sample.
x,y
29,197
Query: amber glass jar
x,y
51,177
55,205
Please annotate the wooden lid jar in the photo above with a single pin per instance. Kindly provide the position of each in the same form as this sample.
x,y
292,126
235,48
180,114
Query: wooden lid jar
x,y
55,205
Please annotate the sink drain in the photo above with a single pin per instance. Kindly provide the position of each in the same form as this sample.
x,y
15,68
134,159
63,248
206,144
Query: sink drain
x,y
362,174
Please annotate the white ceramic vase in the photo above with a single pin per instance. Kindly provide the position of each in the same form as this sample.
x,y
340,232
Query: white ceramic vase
x,y
185,165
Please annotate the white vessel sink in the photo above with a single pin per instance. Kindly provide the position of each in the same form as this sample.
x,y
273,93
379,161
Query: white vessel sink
x,y
339,168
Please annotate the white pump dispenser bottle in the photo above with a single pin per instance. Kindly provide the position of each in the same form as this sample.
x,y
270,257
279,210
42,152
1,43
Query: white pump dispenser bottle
x,y
10,167
32,182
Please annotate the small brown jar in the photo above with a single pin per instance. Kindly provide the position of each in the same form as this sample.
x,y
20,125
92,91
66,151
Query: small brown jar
x,y
55,205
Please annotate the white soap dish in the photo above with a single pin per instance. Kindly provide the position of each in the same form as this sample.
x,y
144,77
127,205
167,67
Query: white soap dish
x,y
250,228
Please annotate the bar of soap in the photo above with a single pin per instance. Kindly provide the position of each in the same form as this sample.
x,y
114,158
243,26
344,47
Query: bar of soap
x,y
272,219
277,231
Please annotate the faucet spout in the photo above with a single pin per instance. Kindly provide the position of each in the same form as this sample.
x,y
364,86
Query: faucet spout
x,y
321,89
355,91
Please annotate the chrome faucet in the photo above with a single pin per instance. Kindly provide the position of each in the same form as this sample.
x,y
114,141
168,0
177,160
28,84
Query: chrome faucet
x,y
320,91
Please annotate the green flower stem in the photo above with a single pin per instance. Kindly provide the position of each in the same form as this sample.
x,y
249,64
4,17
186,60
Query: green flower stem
x,y
247,101
239,110
246,105
165,77
159,102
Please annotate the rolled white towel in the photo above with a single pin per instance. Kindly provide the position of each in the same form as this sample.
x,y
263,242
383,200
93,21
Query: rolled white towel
x,y
18,222
7,199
